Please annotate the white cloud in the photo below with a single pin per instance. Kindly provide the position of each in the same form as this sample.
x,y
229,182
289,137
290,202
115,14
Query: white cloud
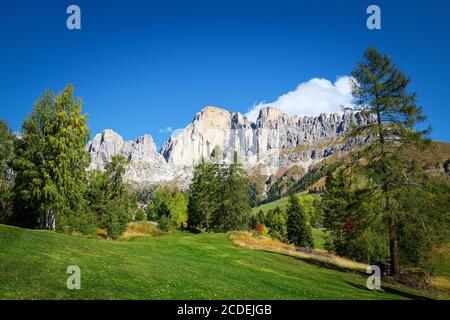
x,y
165,130
311,98
176,132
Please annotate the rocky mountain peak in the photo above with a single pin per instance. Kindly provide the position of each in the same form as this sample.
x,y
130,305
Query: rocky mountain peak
x,y
269,114
275,140
147,166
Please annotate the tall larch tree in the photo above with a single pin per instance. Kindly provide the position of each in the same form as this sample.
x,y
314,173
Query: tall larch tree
x,y
380,91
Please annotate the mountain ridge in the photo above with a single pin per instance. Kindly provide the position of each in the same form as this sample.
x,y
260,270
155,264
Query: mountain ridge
x,y
275,140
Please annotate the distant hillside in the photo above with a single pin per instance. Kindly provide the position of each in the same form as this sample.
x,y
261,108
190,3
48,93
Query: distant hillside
x,y
436,160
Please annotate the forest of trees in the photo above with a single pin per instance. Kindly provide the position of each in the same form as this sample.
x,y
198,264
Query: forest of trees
x,y
219,197
378,205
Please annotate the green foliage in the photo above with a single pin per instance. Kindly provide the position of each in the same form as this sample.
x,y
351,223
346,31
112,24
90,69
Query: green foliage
x,y
425,220
219,196
311,207
275,192
115,169
314,175
97,196
171,203
254,194
232,211
261,217
85,223
6,198
276,222
116,219
164,223
356,231
203,194
50,163
380,92
109,200
140,215
7,140
298,228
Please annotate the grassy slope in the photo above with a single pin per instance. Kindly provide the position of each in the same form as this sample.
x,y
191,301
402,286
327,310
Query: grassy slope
x,y
282,203
176,266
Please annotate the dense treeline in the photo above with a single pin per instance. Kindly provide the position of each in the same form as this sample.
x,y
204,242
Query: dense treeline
x,y
219,195
292,225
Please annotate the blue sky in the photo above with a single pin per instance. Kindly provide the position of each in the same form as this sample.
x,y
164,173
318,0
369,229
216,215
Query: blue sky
x,y
141,66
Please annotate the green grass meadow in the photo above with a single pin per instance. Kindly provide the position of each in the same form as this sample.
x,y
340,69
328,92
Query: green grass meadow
x,y
180,265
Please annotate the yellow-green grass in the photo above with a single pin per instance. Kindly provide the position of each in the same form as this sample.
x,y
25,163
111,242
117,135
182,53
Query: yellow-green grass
x,y
438,262
248,240
319,237
318,234
282,203
180,265
140,229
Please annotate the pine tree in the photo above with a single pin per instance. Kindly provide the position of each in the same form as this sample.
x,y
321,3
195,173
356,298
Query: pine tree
x,y
233,210
51,161
298,230
108,198
115,169
203,194
261,218
380,91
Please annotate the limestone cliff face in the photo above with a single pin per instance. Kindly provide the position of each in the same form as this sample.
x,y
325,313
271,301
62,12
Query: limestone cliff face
x,y
274,141
147,166
265,142
212,127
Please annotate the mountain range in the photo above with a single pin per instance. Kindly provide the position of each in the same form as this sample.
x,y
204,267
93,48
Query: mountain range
x,y
272,144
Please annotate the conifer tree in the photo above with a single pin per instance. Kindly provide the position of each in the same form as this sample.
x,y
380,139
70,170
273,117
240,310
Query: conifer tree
x,y
233,210
380,92
298,230
203,195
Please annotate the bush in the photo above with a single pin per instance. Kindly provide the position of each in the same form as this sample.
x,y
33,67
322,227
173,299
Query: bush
x,y
171,203
164,223
276,221
85,223
140,215
116,220
368,246
261,229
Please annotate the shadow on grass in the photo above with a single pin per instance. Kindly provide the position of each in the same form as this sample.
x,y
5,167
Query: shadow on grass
x,y
321,264
391,291
324,264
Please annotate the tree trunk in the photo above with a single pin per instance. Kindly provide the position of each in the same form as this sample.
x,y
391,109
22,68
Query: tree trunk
x,y
394,263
